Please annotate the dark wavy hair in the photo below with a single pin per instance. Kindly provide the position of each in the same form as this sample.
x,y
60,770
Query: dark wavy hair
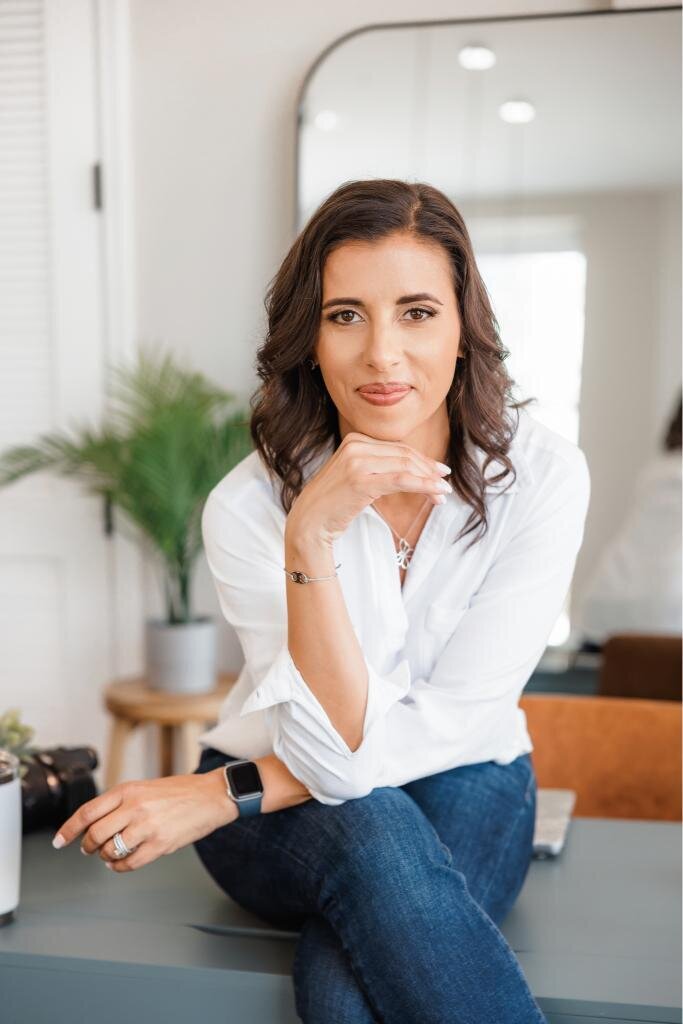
x,y
292,414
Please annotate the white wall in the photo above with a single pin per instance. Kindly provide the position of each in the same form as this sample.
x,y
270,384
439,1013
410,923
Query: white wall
x,y
214,97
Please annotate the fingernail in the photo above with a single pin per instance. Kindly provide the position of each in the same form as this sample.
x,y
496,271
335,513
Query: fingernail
x,y
58,841
442,466
110,866
441,499
85,852
443,485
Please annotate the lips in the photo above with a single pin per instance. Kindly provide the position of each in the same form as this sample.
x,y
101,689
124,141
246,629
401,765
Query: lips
x,y
383,389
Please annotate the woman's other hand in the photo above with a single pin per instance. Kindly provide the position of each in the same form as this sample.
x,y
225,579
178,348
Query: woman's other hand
x,y
154,816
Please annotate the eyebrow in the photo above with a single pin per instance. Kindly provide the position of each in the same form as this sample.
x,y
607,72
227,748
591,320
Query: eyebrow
x,y
417,297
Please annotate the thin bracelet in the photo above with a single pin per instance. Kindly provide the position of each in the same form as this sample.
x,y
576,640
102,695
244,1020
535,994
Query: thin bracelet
x,y
301,577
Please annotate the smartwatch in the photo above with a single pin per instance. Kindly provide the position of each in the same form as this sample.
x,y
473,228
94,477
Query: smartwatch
x,y
243,783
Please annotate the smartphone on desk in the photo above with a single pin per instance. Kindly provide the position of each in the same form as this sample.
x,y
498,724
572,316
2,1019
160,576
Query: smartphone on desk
x,y
553,814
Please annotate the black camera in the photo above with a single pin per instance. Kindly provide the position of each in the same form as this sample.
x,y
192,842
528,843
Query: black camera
x,y
57,782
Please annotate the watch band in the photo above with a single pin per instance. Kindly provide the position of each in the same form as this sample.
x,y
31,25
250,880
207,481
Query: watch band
x,y
250,803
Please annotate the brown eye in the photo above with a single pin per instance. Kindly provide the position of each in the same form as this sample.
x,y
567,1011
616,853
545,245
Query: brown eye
x,y
419,309
341,312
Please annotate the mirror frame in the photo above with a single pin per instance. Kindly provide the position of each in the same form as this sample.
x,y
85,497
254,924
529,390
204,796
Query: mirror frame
x,y
381,26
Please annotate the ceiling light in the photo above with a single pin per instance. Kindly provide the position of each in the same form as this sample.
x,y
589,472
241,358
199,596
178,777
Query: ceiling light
x,y
517,111
476,58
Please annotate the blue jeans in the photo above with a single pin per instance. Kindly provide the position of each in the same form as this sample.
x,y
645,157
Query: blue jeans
x,y
397,895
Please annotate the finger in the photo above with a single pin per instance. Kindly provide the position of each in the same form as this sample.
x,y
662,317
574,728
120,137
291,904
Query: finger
x,y
145,854
86,815
404,462
404,480
402,473
104,828
383,449
369,459
131,837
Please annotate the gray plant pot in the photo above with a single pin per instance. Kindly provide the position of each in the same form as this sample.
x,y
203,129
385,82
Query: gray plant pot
x,y
181,658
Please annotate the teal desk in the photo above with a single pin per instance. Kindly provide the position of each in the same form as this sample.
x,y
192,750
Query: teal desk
x,y
597,933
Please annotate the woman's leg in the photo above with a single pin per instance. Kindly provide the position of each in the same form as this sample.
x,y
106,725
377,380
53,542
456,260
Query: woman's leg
x,y
485,814
325,987
420,948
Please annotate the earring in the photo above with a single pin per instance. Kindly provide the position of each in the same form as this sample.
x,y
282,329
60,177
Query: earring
x,y
312,363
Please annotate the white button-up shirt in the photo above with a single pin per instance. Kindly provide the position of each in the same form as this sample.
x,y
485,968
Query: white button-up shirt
x,y
448,654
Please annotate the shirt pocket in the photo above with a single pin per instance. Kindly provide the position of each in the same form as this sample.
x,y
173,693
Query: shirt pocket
x,y
442,619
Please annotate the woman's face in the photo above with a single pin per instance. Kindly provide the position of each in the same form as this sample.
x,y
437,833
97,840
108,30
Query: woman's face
x,y
389,314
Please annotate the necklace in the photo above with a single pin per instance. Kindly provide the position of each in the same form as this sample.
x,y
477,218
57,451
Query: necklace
x,y
405,552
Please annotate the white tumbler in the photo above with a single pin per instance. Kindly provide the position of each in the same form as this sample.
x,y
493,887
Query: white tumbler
x,y
10,835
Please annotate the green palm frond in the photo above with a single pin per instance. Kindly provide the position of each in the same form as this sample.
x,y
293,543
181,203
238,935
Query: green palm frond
x,y
167,441
155,385
92,458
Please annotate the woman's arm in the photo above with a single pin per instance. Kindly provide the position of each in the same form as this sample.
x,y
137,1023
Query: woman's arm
x,y
321,637
322,641
321,705
280,789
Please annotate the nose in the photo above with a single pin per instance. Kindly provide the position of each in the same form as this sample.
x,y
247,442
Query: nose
x,y
383,347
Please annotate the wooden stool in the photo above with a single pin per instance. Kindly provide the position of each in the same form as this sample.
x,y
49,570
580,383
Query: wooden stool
x,y
132,702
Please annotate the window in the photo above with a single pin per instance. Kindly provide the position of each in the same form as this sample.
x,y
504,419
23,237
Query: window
x,y
535,274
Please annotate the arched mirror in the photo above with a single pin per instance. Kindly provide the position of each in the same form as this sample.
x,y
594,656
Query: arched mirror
x,y
559,139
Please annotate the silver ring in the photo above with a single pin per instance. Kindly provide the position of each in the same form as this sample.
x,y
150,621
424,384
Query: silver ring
x,y
121,848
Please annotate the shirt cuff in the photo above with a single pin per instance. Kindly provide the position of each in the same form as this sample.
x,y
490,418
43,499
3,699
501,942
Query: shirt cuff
x,y
283,682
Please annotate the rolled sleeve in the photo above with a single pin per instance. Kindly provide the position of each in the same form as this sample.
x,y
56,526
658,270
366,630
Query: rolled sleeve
x,y
305,739
250,584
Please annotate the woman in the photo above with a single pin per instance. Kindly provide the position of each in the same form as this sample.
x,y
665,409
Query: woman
x,y
389,795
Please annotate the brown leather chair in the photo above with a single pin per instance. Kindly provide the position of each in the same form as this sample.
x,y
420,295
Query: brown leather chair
x,y
641,665
622,756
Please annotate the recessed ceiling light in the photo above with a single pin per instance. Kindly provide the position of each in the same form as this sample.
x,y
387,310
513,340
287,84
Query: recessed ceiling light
x,y
326,120
476,58
517,111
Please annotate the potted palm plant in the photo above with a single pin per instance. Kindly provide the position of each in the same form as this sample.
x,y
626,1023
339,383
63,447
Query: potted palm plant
x,y
166,442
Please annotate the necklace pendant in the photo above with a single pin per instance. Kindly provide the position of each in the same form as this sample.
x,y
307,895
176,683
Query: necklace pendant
x,y
404,554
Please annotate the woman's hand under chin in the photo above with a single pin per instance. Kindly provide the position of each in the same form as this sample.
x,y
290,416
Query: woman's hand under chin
x,y
154,816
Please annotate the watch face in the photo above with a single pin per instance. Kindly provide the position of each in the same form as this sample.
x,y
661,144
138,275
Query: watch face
x,y
245,779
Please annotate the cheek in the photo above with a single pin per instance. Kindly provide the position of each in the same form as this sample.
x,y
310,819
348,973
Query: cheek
x,y
441,370
337,366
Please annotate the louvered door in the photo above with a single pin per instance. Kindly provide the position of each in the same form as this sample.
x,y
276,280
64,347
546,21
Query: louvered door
x,y
56,614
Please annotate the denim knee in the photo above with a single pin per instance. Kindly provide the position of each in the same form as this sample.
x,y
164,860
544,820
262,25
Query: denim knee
x,y
382,839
